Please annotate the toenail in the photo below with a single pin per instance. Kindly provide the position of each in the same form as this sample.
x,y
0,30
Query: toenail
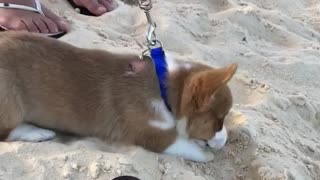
x,y
102,9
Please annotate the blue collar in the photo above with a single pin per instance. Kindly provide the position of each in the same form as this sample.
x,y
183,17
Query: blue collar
x,y
161,66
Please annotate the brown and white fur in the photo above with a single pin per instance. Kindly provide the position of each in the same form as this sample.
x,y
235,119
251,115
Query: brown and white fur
x,y
50,84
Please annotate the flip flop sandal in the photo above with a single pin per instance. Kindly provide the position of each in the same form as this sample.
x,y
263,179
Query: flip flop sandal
x,y
83,10
38,10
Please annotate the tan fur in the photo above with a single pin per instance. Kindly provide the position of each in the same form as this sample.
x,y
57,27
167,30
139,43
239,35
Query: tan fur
x,y
97,93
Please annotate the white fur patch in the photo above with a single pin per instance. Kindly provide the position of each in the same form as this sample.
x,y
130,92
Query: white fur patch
x,y
182,127
219,140
187,66
166,120
189,150
30,133
201,143
173,65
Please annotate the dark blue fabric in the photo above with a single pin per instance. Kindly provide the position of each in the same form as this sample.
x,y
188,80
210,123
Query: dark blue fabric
x,y
160,63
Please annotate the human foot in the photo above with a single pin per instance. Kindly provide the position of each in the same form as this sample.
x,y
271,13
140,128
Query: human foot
x,y
96,7
39,20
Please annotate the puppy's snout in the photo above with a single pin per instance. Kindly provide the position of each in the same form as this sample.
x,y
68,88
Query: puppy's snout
x,y
219,139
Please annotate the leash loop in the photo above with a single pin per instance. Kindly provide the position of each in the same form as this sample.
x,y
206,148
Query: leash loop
x,y
145,5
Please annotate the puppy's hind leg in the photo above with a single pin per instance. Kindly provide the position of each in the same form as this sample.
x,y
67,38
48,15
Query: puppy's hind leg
x,y
12,114
30,133
11,107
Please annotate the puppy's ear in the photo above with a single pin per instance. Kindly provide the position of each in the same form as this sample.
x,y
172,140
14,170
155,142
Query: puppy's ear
x,y
200,87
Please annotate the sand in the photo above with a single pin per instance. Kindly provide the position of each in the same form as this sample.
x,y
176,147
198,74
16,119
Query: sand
x,y
274,124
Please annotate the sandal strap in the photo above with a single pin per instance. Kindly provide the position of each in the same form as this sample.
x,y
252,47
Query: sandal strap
x,y
38,6
37,9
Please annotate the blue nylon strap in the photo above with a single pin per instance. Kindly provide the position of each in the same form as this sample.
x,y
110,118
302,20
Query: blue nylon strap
x,y
161,66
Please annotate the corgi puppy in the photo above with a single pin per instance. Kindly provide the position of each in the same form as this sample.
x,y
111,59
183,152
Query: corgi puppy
x,y
48,85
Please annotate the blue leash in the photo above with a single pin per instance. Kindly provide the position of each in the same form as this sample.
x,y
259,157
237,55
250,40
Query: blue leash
x,y
161,66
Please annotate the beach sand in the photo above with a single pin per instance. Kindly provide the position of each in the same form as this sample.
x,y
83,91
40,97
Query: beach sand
x,y
274,126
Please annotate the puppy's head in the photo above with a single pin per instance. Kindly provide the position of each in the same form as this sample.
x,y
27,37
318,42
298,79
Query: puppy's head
x,y
206,100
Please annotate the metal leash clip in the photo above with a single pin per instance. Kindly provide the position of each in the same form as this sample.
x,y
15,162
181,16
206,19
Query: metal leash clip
x,y
151,37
